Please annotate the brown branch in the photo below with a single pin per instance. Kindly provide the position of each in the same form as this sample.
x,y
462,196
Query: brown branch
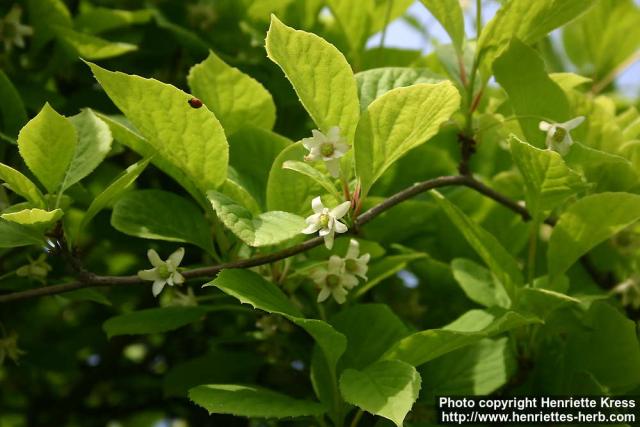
x,y
89,280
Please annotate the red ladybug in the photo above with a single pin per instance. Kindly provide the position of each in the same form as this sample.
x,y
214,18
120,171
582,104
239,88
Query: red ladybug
x,y
195,103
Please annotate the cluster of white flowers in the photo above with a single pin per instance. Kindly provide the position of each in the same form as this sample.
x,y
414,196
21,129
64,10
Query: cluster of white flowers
x,y
558,134
341,274
326,221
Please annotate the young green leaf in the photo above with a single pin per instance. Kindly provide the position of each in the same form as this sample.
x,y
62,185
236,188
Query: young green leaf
x,y
268,228
449,14
528,21
191,139
398,121
125,135
234,97
47,17
300,190
321,178
586,223
478,283
91,47
354,20
94,143
547,179
372,84
605,171
21,185
320,75
47,144
250,401
113,191
152,320
539,99
423,346
34,217
387,388
157,214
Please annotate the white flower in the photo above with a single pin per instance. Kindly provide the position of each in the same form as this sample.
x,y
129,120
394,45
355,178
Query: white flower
x,y
12,32
356,265
326,220
558,136
164,272
333,280
629,290
329,148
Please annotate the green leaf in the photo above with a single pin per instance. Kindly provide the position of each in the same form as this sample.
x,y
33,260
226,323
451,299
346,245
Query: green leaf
x,y
528,21
398,121
13,235
125,135
92,47
39,217
152,320
20,184
113,191
540,98
320,75
47,144
586,223
94,143
354,20
547,179
160,215
423,346
372,84
249,287
234,97
12,111
475,370
607,172
250,401
252,151
449,14
268,228
387,388
478,283
499,261
287,190
321,178
237,192
197,145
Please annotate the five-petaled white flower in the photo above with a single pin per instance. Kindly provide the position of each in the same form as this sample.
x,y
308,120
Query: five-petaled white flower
x,y
326,220
329,148
12,31
629,290
334,280
164,272
558,136
354,264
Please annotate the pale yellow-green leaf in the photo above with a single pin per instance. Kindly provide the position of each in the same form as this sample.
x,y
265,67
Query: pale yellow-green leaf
x,y
20,184
235,98
268,228
47,144
449,14
398,121
320,75
34,216
191,139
